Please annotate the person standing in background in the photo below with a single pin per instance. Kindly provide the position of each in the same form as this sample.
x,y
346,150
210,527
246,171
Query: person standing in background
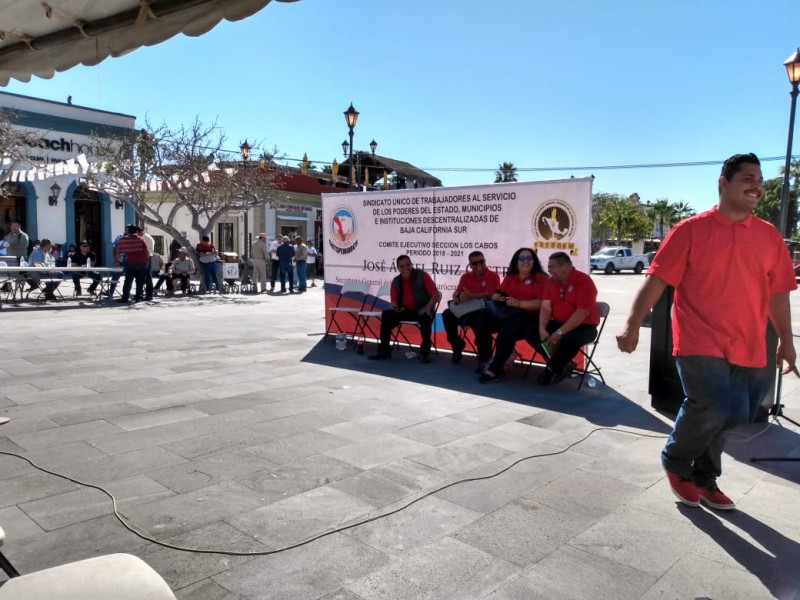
x,y
311,268
275,264
17,241
300,261
259,254
148,277
207,255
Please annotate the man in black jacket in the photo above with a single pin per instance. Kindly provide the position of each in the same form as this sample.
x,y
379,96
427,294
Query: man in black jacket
x,y
414,296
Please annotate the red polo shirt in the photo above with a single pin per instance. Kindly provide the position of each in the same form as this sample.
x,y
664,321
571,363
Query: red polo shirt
x,y
724,273
578,291
486,284
530,288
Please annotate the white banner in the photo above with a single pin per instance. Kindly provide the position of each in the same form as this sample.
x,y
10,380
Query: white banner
x,y
438,227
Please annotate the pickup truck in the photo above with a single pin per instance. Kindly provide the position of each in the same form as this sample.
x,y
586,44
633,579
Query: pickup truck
x,y
616,258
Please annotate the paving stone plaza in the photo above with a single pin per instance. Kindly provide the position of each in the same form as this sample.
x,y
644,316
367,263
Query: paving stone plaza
x,y
226,423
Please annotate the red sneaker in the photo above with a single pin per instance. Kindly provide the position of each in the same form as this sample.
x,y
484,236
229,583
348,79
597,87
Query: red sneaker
x,y
684,489
713,497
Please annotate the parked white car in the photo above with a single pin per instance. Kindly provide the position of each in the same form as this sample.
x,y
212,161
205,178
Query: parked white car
x,y
616,258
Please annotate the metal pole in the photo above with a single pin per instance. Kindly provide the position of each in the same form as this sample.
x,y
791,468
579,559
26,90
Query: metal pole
x,y
350,162
784,214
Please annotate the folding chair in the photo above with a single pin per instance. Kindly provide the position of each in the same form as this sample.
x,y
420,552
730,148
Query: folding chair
x,y
6,283
352,291
365,315
590,368
53,279
399,333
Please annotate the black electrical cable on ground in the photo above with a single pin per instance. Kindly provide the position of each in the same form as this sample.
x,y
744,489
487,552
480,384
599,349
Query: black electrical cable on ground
x,y
147,538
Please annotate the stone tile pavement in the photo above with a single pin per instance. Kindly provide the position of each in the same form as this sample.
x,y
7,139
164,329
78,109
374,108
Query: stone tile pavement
x,y
226,423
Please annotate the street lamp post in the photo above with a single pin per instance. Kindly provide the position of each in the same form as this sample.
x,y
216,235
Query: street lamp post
x,y
244,148
792,65
351,116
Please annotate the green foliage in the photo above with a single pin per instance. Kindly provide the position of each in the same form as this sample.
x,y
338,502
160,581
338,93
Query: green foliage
x,y
505,173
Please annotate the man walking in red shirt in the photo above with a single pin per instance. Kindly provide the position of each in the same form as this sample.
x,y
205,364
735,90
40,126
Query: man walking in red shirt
x,y
731,271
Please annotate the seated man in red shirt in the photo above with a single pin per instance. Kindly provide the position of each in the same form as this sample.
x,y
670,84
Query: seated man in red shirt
x,y
479,283
414,296
568,318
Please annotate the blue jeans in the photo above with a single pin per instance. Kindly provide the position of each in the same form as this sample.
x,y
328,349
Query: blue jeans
x,y
719,396
300,267
287,270
209,275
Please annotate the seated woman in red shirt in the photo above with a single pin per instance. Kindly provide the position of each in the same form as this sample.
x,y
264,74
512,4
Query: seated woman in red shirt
x,y
521,292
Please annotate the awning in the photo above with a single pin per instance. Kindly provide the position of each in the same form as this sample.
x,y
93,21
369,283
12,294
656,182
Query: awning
x,y
40,38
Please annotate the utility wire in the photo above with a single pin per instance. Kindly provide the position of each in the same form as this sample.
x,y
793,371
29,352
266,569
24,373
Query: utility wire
x,y
133,529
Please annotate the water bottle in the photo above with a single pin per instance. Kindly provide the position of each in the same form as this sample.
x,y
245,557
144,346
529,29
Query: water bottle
x,y
88,263
69,261
360,347
23,262
341,341
591,382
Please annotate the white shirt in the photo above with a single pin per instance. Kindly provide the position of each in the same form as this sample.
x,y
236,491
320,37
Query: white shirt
x,y
149,242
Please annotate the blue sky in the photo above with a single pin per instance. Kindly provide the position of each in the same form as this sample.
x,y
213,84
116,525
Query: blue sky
x,y
453,86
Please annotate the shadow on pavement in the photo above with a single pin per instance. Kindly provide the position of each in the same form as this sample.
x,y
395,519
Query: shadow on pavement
x,y
602,406
757,547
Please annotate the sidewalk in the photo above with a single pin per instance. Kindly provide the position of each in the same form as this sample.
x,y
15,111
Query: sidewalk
x,y
225,422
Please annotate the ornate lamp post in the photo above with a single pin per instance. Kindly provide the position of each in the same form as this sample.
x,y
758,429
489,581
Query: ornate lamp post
x,y
792,65
244,148
351,116
373,145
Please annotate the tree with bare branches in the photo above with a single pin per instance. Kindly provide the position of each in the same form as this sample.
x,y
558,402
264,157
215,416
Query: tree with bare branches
x,y
13,143
162,172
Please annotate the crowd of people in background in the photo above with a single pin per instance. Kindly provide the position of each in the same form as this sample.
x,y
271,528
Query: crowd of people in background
x,y
145,271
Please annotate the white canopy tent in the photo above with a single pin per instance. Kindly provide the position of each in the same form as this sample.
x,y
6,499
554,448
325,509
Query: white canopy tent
x,y
40,38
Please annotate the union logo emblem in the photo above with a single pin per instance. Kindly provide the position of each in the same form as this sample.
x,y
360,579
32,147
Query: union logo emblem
x,y
342,230
553,226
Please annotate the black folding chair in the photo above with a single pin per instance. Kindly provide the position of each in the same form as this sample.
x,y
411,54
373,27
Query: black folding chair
x,y
590,367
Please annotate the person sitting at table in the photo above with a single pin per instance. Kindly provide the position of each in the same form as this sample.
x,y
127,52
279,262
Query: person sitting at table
x,y
162,277
519,298
182,268
79,259
156,266
479,283
40,256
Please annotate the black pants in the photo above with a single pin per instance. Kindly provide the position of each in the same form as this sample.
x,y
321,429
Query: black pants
x,y
569,345
482,328
275,267
76,280
391,319
522,326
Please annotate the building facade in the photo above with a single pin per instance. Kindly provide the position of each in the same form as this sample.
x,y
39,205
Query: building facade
x,y
65,135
